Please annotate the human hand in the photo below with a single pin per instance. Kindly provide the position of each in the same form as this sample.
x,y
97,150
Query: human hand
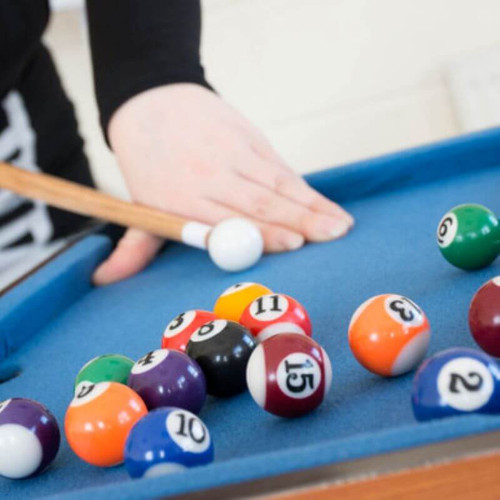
x,y
184,150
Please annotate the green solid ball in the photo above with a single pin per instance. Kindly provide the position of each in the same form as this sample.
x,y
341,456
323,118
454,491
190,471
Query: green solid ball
x,y
106,368
469,236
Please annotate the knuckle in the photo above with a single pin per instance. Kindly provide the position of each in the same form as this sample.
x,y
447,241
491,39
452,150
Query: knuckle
x,y
202,169
294,187
263,206
282,182
305,222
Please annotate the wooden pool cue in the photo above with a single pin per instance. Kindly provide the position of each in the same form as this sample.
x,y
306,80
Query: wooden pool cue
x,y
83,200
234,244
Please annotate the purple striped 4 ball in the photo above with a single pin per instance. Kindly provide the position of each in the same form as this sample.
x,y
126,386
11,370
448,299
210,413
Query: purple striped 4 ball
x,y
169,378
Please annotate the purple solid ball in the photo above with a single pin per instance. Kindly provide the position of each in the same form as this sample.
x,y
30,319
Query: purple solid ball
x,y
36,418
169,378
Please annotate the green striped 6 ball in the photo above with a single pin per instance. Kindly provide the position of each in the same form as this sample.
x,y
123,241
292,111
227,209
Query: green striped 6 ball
x,y
469,236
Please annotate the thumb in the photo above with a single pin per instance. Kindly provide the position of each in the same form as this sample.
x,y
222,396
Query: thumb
x,y
133,253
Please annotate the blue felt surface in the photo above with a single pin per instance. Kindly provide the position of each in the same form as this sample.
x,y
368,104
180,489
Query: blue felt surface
x,y
392,249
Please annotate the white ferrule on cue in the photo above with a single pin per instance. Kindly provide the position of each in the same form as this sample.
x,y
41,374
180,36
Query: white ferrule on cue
x,y
196,234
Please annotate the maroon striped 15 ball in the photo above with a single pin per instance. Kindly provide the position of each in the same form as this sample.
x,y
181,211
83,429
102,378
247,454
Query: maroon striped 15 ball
x,y
289,374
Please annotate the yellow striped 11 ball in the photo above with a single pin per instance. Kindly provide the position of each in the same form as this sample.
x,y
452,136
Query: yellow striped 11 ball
x,y
276,313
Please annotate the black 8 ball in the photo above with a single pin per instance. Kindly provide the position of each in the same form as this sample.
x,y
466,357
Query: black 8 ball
x,y
222,349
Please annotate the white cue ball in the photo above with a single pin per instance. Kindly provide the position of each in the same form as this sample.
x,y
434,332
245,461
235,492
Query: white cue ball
x,y
235,244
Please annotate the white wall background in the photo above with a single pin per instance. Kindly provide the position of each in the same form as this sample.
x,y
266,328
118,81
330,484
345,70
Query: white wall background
x,y
328,81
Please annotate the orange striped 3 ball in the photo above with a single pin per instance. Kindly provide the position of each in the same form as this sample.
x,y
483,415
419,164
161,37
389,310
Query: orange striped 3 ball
x,y
389,335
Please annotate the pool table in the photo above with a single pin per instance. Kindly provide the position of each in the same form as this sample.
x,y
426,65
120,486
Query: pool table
x,y
54,320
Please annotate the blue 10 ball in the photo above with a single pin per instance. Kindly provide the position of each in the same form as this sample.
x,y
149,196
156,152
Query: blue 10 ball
x,y
167,440
455,382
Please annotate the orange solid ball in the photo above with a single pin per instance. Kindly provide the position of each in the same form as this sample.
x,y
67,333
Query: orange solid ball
x,y
389,335
99,419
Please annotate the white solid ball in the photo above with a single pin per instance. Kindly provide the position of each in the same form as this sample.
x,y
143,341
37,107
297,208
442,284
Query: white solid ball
x,y
235,244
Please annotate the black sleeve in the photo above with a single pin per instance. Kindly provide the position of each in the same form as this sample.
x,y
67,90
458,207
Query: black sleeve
x,y
140,44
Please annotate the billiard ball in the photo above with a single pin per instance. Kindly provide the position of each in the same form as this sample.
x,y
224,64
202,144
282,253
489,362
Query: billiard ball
x,y
289,375
484,317
469,236
179,330
167,440
168,378
233,301
29,438
222,349
99,419
105,368
235,244
454,382
389,335
275,313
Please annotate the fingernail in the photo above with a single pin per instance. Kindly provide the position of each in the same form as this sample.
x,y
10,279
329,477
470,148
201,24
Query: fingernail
x,y
340,229
347,216
294,242
330,228
99,276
